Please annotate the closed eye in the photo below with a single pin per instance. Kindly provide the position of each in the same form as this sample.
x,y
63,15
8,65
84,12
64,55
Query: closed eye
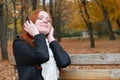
x,y
49,21
39,18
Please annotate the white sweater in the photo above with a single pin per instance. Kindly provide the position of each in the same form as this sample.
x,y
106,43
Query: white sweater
x,y
50,70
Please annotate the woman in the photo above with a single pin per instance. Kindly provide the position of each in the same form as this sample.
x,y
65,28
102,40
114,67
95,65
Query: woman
x,y
37,54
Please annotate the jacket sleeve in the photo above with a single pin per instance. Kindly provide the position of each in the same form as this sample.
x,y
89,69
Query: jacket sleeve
x,y
25,54
61,57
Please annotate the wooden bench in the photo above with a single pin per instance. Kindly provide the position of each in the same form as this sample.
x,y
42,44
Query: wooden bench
x,y
91,67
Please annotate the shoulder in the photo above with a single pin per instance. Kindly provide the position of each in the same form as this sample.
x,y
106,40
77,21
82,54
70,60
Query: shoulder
x,y
18,41
20,45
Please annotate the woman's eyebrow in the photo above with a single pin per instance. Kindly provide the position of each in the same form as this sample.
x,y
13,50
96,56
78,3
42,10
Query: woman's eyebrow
x,y
48,17
40,16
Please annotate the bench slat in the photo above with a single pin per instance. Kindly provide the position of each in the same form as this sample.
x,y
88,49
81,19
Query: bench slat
x,y
86,59
90,74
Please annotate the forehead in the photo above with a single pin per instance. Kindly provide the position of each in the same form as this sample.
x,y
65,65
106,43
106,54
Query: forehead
x,y
43,13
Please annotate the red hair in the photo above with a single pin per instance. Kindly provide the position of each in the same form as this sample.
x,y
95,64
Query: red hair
x,y
25,35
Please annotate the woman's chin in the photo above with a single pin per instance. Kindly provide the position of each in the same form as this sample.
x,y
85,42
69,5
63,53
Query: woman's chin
x,y
45,32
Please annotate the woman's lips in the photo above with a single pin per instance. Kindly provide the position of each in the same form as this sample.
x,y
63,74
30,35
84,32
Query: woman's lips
x,y
44,25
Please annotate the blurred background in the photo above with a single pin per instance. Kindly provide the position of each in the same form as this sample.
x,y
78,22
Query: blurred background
x,y
71,18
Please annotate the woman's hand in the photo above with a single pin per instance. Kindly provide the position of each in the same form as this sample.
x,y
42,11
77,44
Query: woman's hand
x,y
31,28
51,33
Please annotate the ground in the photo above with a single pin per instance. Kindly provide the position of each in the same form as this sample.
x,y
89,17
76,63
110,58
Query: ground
x,y
72,46
78,46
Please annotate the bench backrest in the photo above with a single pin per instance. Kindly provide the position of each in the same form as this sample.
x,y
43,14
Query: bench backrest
x,y
91,67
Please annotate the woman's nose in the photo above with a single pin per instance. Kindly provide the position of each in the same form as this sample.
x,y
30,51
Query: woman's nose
x,y
44,20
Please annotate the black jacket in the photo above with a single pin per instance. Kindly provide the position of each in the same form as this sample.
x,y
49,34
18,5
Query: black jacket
x,y
26,56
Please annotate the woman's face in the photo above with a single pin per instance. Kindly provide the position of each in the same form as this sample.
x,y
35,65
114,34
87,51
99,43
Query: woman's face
x,y
43,22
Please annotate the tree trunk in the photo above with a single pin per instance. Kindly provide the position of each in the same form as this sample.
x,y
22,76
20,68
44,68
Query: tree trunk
x,y
58,27
108,24
44,5
15,19
118,22
3,34
54,21
1,19
51,11
22,10
86,18
109,28
15,27
34,3
56,18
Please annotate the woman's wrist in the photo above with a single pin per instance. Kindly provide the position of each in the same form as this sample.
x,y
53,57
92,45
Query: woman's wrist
x,y
36,34
50,39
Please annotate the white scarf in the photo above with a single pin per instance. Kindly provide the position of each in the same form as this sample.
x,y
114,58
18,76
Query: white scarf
x,y
50,70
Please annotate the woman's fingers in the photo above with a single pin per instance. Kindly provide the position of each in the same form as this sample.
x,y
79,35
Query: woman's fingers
x,y
31,28
31,22
26,29
28,24
25,25
50,24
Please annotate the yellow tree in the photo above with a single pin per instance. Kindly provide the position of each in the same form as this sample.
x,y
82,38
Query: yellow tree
x,y
114,13
3,28
75,21
86,17
104,6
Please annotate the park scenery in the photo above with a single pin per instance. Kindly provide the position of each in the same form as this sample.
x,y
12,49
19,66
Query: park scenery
x,y
88,30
